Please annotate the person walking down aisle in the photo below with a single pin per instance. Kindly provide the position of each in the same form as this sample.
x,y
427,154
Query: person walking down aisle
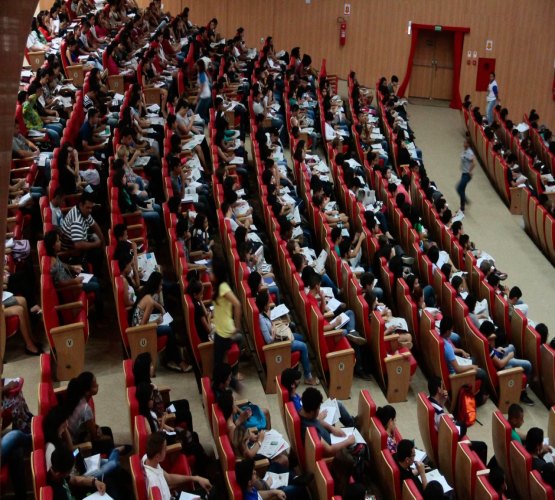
x,y
492,98
467,166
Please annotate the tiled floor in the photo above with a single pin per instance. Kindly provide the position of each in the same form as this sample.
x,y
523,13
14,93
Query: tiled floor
x,y
439,132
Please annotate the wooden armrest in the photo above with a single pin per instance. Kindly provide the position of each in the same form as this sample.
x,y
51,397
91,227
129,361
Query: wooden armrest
x,y
173,448
67,328
69,305
132,214
141,328
482,472
397,357
85,446
277,345
134,226
340,354
261,464
196,253
509,372
60,390
333,333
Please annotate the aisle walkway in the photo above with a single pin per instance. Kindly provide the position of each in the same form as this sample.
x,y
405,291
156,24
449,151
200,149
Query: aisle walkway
x,y
440,134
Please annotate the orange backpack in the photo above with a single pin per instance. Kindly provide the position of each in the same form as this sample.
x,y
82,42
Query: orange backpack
x,y
466,407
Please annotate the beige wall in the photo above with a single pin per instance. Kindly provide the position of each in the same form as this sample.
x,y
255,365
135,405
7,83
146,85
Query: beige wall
x,y
523,38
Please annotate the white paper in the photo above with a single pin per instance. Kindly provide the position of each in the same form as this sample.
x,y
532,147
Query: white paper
x,y
278,480
349,431
171,408
435,475
147,264
333,304
86,277
343,320
420,455
24,199
6,295
187,496
278,312
98,496
332,409
273,444
237,160
92,463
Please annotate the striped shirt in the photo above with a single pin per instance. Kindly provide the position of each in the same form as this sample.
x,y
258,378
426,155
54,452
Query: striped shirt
x,y
75,227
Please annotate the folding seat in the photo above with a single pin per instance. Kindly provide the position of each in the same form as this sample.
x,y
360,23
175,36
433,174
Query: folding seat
x,y
335,355
433,354
468,466
203,352
516,333
66,327
46,493
547,374
410,491
550,237
448,438
532,207
136,339
378,438
501,439
505,385
457,254
323,480
539,489
73,72
274,357
426,423
425,269
233,490
139,477
314,450
500,313
387,280
521,465
395,365
448,296
484,490
388,475
293,428
38,471
408,310
541,216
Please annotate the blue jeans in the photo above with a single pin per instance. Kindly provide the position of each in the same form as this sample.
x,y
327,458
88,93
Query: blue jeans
x,y
273,289
106,465
202,108
351,323
522,363
461,188
299,345
53,135
14,446
11,441
153,220
327,282
489,110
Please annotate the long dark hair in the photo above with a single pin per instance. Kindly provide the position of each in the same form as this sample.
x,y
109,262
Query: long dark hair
x,y
144,395
54,418
141,368
150,287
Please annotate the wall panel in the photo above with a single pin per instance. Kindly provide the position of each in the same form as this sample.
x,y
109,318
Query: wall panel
x,y
378,44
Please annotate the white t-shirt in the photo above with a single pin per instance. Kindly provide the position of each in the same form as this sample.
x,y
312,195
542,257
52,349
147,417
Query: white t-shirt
x,y
330,132
258,108
155,477
492,95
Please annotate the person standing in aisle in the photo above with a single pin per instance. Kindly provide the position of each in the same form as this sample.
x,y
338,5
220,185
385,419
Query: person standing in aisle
x,y
492,98
467,166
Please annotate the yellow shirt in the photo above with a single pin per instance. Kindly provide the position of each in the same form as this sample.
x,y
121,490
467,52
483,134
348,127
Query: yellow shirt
x,y
223,313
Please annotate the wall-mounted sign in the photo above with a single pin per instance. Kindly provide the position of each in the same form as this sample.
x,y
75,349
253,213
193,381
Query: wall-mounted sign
x,y
489,45
347,9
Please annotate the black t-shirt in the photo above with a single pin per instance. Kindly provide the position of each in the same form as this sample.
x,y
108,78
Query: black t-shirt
x,y
407,474
201,330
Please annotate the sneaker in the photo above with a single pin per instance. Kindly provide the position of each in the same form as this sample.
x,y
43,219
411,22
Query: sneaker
x,y
524,398
356,338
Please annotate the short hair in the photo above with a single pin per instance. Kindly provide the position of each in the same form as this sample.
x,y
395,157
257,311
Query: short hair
x,y
487,328
243,472
456,282
288,376
367,279
433,490
155,444
404,449
312,399
434,383
515,411
85,197
313,280
515,293
298,260
445,325
355,491
335,233
534,438
62,460
92,113
543,332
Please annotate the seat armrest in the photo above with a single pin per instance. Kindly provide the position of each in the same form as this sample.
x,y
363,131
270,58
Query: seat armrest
x,y
69,305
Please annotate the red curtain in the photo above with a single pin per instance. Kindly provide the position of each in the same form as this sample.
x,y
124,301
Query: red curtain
x,y
457,59
406,80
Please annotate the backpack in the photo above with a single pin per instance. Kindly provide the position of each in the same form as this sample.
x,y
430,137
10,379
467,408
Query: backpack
x,y
466,406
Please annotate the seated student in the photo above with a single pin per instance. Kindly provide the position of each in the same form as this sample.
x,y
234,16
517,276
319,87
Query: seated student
x,y
291,379
203,317
454,367
60,479
14,446
405,459
516,419
157,476
496,479
534,445
252,486
437,398
387,415
367,284
89,140
504,357
280,329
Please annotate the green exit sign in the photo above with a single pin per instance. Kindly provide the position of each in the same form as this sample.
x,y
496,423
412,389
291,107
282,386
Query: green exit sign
x,y
438,27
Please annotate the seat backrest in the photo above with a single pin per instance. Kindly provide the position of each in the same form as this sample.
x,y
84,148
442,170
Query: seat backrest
x,y
411,491
467,465
208,399
366,409
133,406
293,426
448,437
282,397
388,471
37,433
323,479
548,373
139,477
314,450
426,423
484,490
128,373
233,490
521,465
38,471
539,489
501,438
